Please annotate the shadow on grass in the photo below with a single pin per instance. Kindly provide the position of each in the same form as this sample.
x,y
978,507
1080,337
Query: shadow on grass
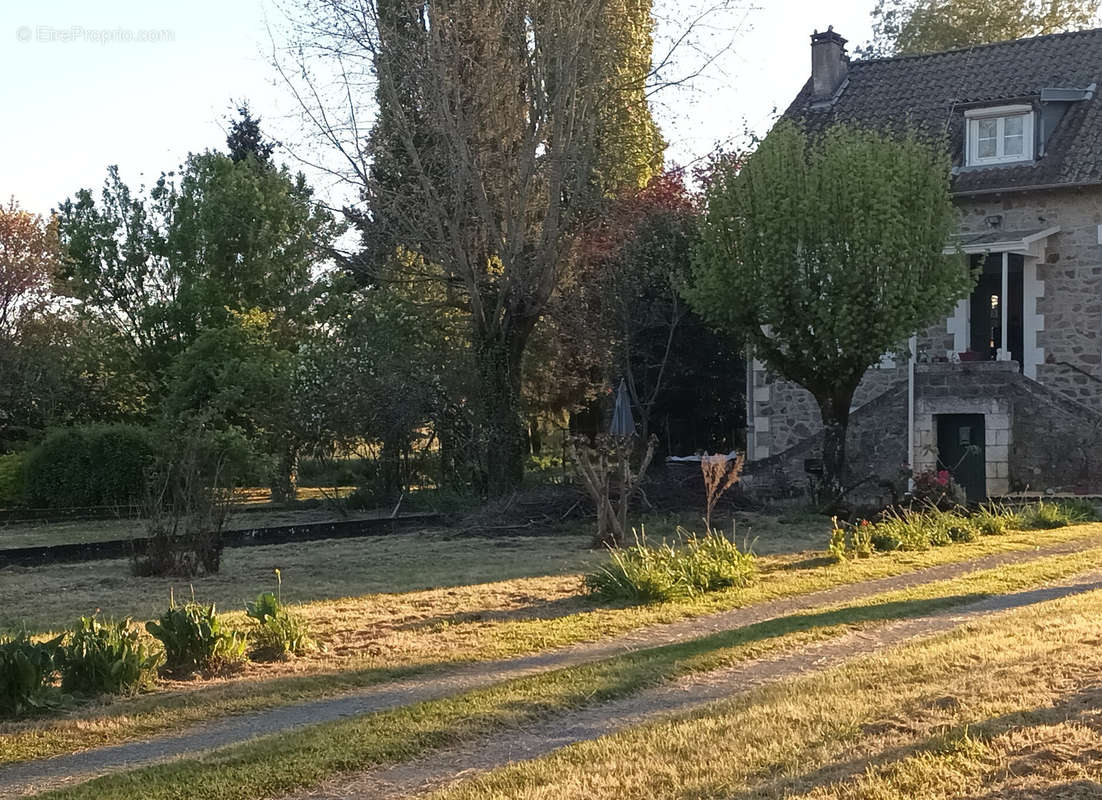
x,y
950,739
545,610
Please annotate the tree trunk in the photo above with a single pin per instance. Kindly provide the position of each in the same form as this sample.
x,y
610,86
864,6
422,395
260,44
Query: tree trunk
x,y
390,472
834,408
285,480
502,436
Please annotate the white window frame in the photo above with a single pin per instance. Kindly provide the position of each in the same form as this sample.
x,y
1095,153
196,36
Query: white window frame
x,y
999,113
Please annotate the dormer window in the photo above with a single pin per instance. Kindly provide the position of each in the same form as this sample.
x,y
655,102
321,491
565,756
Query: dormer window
x,y
1000,135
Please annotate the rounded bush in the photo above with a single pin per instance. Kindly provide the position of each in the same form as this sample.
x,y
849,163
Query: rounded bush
x,y
89,465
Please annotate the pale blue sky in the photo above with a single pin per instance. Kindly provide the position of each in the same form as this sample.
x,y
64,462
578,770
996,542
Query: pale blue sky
x,y
79,96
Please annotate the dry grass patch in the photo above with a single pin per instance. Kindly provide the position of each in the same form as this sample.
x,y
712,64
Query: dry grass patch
x,y
1004,708
45,598
270,766
376,637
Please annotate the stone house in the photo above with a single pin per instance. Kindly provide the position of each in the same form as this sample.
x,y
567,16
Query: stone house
x,y
1006,392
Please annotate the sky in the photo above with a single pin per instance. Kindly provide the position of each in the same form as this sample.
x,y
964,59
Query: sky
x,y
141,84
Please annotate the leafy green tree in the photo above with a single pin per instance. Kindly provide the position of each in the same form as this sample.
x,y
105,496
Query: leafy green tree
x,y
172,270
114,265
825,253
236,378
909,27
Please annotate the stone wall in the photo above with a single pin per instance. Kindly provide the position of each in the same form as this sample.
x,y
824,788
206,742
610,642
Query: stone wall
x,y
876,448
786,414
1070,304
971,388
1035,437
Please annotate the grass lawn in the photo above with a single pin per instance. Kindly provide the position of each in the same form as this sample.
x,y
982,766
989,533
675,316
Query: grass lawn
x,y
371,638
1005,708
277,764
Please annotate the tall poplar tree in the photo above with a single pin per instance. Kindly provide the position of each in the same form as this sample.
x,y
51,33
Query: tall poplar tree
x,y
501,127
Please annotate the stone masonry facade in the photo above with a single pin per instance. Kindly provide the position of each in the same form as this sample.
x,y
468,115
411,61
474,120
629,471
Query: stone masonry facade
x,y
1025,414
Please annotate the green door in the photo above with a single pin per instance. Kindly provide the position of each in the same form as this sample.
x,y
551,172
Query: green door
x,y
960,450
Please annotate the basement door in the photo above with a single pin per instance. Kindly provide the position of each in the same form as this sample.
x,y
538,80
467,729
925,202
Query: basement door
x,y
960,450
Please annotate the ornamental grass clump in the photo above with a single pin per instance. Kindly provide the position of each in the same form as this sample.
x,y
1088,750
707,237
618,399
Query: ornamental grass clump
x,y
1046,515
645,573
996,519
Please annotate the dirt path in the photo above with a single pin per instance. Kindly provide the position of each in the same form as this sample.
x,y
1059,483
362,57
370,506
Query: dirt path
x,y
27,777
472,758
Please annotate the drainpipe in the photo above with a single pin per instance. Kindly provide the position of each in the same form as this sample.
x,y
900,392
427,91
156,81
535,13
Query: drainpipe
x,y
912,345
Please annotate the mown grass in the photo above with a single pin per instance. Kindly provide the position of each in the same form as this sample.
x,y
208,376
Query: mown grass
x,y
304,758
43,598
1003,708
376,638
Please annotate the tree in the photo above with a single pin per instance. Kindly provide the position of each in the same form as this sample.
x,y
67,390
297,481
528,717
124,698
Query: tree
x,y
825,252
28,263
245,138
642,253
485,158
909,27
229,236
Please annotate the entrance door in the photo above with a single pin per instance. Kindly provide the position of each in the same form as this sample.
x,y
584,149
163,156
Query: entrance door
x,y
960,450
987,308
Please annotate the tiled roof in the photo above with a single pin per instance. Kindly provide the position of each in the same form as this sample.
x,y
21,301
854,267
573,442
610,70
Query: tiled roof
x,y
931,92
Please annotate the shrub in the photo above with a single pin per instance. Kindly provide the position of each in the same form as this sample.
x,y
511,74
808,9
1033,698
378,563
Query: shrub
x,y
278,633
713,562
12,469
644,573
89,465
27,672
195,638
107,658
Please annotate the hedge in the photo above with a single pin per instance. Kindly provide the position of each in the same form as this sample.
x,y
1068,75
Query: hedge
x,y
89,465
12,468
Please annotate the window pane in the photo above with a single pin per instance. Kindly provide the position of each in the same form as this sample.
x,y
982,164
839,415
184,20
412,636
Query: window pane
x,y
986,138
1014,139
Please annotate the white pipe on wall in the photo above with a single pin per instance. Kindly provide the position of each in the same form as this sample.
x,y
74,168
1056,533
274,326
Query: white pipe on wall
x,y
1004,346
912,345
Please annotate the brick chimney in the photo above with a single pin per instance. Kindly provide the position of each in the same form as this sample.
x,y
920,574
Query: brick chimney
x,y
829,64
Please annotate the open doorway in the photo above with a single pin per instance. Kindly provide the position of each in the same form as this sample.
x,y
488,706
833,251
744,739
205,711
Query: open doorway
x,y
988,306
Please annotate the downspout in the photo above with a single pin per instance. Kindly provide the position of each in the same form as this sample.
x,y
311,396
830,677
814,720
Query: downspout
x,y
912,345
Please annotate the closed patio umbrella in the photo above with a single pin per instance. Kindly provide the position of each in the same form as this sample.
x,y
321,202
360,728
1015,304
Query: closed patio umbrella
x,y
623,424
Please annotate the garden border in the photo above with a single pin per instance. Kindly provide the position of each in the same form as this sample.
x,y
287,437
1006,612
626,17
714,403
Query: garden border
x,y
44,555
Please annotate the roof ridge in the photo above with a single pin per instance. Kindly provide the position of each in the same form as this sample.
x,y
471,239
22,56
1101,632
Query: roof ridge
x,y
975,47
